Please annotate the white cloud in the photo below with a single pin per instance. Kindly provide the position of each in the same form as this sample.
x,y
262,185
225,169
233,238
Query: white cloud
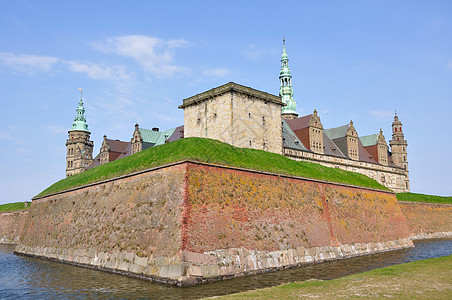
x,y
155,55
383,114
220,72
97,71
28,63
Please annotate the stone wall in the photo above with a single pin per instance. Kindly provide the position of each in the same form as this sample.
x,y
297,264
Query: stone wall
x,y
126,225
395,178
254,222
236,115
11,225
190,223
428,220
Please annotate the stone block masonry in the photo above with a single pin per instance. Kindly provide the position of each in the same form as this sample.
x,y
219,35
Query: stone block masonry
x,y
190,223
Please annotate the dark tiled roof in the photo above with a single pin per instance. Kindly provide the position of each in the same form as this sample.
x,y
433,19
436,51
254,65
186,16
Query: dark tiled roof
x,y
127,151
364,155
177,134
337,132
95,162
331,148
290,139
117,145
299,123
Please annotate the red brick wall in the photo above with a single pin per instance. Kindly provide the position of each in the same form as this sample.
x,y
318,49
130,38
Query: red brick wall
x,y
237,209
11,225
427,218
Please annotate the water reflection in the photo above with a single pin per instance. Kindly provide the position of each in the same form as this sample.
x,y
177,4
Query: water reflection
x,y
30,278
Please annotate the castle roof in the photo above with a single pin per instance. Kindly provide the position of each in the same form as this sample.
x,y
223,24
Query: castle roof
x,y
364,155
290,139
228,87
177,134
337,132
369,140
155,137
299,123
331,148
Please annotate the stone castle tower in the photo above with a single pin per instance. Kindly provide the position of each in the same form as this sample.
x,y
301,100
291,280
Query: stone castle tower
x,y
285,89
398,144
79,147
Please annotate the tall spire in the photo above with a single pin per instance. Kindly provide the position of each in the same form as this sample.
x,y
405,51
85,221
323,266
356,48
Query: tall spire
x,y
80,120
285,89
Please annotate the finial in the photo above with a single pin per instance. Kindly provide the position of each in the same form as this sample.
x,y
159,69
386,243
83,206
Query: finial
x,y
81,93
395,110
381,131
283,40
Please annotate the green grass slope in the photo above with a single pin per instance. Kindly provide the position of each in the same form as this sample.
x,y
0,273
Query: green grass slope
x,y
211,151
13,206
423,198
424,279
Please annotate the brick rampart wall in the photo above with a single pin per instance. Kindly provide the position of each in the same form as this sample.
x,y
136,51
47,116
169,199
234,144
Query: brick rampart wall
x,y
126,225
428,220
189,223
11,225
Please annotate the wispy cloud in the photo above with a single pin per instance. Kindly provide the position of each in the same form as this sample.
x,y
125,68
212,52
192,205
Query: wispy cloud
x,y
97,71
382,114
28,63
154,55
219,72
254,52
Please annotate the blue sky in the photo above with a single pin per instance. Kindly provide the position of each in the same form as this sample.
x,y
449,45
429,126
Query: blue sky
x,y
137,60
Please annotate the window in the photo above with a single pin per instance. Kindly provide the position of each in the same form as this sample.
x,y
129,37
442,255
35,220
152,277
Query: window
x,y
249,115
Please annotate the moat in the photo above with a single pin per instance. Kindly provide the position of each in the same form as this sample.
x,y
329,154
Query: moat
x,y
30,278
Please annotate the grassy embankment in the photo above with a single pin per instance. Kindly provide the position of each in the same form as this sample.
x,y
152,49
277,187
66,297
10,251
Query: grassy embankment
x,y
211,151
412,197
425,279
13,206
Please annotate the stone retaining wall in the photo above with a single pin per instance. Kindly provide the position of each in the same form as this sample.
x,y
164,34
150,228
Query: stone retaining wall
x,y
11,225
190,223
428,220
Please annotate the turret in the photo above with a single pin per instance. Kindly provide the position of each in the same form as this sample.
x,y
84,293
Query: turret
x,y
285,90
398,145
79,147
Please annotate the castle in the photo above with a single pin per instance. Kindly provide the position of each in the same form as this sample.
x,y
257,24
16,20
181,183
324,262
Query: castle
x,y
246,117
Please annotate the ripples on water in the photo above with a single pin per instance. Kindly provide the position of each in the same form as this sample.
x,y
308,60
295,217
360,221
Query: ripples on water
x,y
31,278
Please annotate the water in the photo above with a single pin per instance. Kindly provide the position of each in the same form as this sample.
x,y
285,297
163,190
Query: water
x,y
31,278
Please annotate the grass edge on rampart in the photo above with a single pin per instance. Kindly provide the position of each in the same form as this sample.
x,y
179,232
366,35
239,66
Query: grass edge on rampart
x,y
215,152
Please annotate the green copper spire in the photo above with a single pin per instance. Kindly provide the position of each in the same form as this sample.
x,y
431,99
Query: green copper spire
x,y
80,120
285,79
